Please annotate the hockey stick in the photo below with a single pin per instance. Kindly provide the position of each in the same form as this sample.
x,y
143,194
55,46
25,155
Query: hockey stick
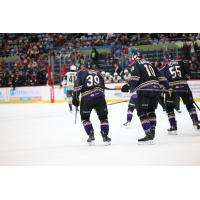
x,y
156,90
161,90
196,105
76,111
117,102
106,88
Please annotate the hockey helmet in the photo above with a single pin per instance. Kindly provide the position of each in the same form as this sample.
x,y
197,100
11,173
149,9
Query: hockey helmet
x,y
169,56
73,68
136,55
115,74
107,74
103,73
126,71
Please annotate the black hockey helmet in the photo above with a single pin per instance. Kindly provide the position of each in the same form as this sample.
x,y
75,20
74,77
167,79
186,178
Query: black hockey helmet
x,y
136,54
169,56
87,64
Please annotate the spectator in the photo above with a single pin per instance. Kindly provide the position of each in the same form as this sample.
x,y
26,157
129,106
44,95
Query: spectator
x,y
116,78
117,69
186,50
126,76
94,55
30,49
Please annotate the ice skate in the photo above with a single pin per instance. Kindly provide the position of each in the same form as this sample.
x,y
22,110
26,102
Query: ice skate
x,y
196,125
178,111
91,139
172,130
148,139
127,124
106,140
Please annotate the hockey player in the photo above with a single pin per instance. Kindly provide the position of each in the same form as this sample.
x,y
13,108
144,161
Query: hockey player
x,y
161,100
145,79
177,73
132,100
126,75
177,104
103,74
116,78
108,78
90,85
68,82
131,108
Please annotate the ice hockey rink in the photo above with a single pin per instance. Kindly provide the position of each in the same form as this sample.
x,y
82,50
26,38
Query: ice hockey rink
x,y
45,134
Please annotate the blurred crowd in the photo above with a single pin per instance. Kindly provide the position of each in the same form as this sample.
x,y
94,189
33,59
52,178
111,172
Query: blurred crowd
x,y
128,39
32,50
23,75
30,68
23,44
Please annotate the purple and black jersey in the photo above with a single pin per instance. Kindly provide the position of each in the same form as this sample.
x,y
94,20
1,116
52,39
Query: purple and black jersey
x,y
90,84
145,76
177,74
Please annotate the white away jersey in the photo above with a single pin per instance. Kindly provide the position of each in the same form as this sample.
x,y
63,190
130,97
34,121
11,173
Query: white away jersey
x,y
69,80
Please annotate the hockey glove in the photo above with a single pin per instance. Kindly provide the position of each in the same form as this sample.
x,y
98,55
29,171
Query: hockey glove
x,y
75,102
125,88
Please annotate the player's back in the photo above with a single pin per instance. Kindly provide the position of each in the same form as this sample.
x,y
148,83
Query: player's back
x,y
70,79
90,83
146,74
176,72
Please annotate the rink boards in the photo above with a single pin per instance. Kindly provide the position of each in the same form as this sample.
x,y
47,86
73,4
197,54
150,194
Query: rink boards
x,y
44,94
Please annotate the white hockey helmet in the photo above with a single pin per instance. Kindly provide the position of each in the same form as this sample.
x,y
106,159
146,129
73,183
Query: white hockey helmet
x,y
103,73
107,74
126,71
73,68
115,74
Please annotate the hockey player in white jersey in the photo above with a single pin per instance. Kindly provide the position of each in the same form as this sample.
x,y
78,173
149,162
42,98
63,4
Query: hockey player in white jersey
x,y
108,78
103,74
116,78
126,75
68,82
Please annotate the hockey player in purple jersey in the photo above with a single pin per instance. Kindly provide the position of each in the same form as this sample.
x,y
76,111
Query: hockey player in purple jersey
x,y
177,74
146,80
90,85
131,107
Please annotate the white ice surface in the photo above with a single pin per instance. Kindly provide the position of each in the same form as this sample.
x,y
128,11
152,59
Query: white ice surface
x,y
45,134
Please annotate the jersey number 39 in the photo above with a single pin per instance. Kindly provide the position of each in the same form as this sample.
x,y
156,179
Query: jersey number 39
x,y
92,80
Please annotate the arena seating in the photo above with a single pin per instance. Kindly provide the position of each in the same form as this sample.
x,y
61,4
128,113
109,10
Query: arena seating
x,y
24,56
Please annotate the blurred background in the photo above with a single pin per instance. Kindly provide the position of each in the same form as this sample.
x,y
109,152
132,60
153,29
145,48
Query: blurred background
x,y
25,57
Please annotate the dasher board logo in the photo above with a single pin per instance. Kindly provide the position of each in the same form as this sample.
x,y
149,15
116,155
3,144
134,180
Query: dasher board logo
x,y
23,92
1,96
12,92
